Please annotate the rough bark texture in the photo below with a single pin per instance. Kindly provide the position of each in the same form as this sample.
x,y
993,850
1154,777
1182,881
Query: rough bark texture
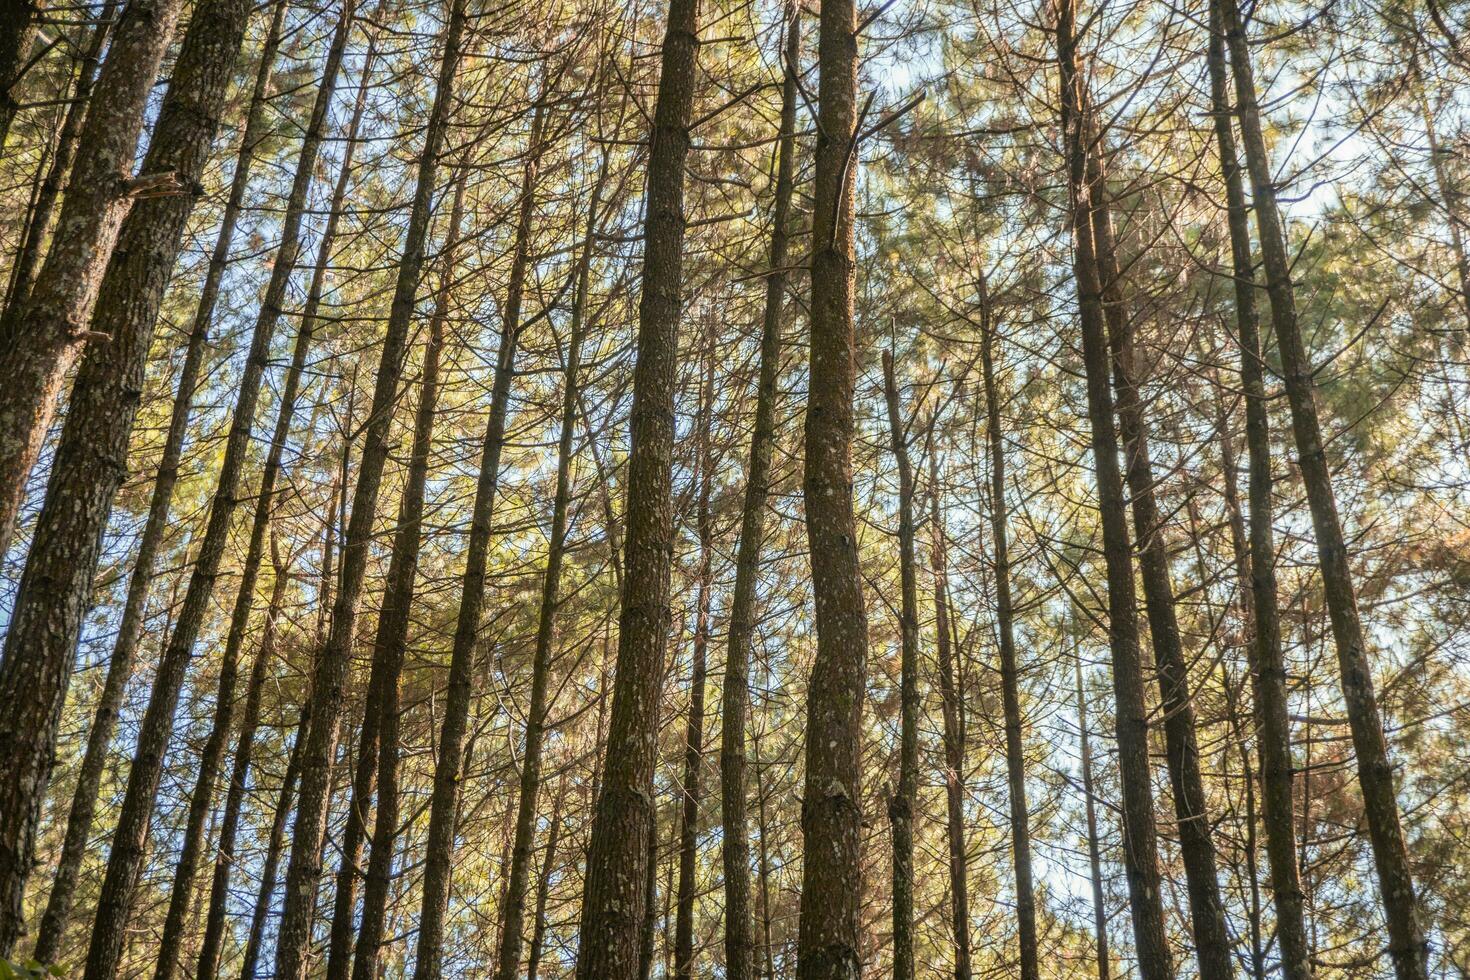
x,y
830,931
330,674
55,588
120,665
1406,941
617,860
450,765
130,838
44,336
1140,836
17,32
735,689
903,804
1196,845
1268,665
1010,679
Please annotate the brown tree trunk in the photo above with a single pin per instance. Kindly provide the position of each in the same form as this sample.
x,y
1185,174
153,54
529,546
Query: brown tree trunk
x,y
690,790
449,767
617,860
130,837
735,690
304,870
43,337
38,224
513,909
954,737
543,889
1140,837
1406,941
55,588
391,644
1010,672
830,930
1094,855
17,33
901,805
120,665
1197,848
1268,666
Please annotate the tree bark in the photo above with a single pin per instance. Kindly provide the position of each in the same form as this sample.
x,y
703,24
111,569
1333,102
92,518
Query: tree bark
x,y
543,889
830,930
55,588
304,870
735,690
1268,665
1010,672
1406,941
901,805
17,33
617,860
1140,837
1094,855
44,336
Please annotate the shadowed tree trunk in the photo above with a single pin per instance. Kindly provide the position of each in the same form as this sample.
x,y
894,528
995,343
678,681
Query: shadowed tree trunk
x,y
120,665
1010,679
1406,942
735,691
43,336
1268,666
830,930
1140,836
613,896
304,870
55,589
902,805
17,33
450,765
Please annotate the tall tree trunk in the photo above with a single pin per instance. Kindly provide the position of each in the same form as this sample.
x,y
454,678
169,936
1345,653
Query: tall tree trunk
x,y
1407,944
449,767
55,589
120,665
954,736
617,860
1010,672
42,338
1140,837
513,909
130,838
901,805
391,644
1094,855
830,929
304,870
1268,665
763,867
1196,844
543,888
735,690
17,33
694,734
38,224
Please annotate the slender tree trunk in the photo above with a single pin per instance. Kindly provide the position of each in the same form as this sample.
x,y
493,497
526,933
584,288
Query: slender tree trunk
x,y
1407,944
38,225
954,736
513,909
391,645
17,33
830,929
694,736
1094,854
763,856
55,589
1010,673
449,767
1140,837
1196,844
43,337
130,838
543,888
120,665
1268,666
735,691
901,805
617,860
